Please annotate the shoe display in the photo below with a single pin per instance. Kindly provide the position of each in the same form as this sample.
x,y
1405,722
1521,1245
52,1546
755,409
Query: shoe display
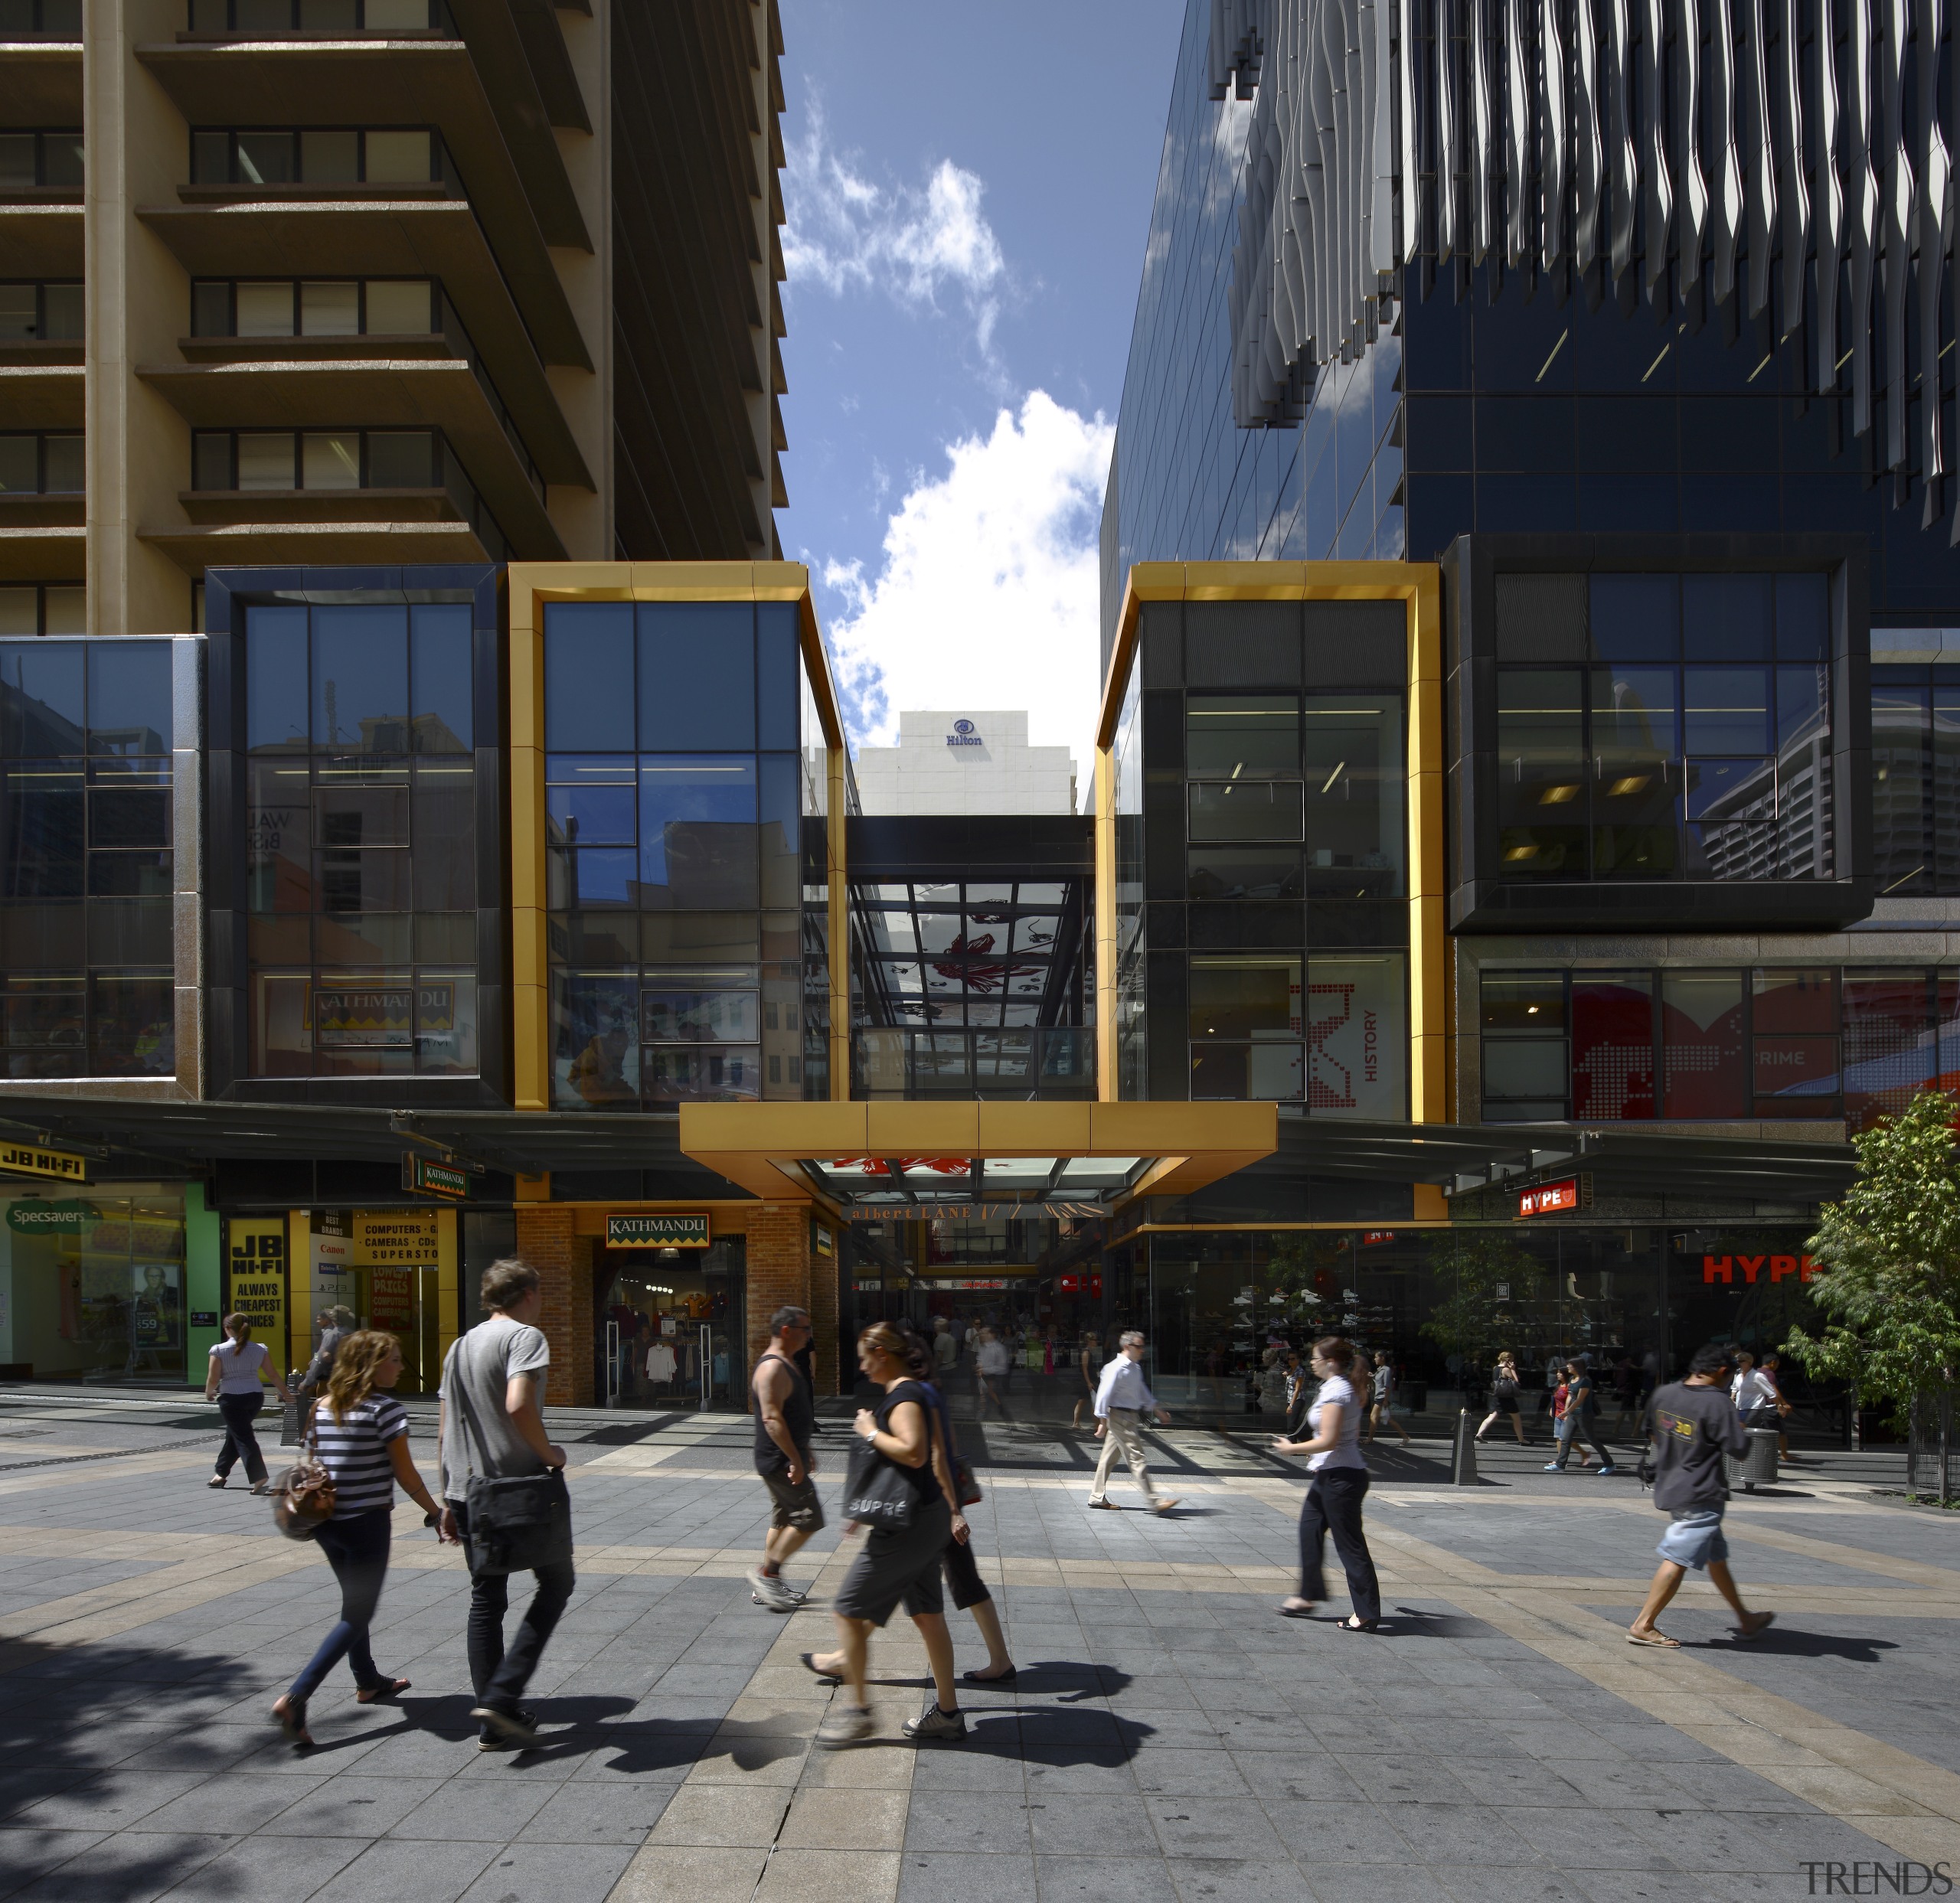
x,y
933,1723
846,1725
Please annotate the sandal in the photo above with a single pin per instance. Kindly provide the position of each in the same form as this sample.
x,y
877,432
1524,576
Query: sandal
x,y
374,1694
1658,1640
808,1661
1746,1632
978,1677
290,1715
1295,1608
1360,1625
217,1480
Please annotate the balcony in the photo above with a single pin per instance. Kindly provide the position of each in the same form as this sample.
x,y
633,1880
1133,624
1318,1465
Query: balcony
x,y
42,324
1031,1061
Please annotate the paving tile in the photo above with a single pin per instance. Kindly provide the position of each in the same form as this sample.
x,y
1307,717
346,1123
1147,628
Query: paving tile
x,y
718,1816
291,1868
690,1873
395,1871
967,1820
1103,1880
474,1810
830,1876
111,1801
565,1873
931,1877
1232,1880
27,1854
594,1812
1207,1827
355,1805
129,1867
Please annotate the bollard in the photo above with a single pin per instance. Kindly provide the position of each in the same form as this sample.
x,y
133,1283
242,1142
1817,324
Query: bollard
x,y
1463,1458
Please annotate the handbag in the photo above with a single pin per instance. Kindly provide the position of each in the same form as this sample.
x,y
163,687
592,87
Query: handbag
x,y
875,1490
303,1497
519,1523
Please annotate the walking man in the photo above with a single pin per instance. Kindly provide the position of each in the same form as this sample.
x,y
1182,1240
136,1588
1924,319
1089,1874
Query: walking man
x,y
1693,1424
1122,1400
492,1426
785,1423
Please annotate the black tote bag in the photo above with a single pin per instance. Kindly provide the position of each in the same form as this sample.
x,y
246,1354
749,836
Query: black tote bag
x,y
516,1524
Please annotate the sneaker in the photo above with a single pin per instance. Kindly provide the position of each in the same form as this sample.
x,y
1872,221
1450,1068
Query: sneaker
x,y
933,1722
773,1590
1104,1505
1553,1467
1604,1470
846,1725
489,1740
1164,1506
515,1727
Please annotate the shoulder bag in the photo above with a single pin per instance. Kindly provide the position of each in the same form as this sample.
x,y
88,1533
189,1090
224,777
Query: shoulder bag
x,y
517,1523
303,1496
875,1490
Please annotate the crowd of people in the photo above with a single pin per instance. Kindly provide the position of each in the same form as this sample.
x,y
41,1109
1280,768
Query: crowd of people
x,y
503,1498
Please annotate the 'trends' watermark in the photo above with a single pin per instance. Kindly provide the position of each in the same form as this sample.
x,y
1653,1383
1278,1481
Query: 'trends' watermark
x,y
1902,1878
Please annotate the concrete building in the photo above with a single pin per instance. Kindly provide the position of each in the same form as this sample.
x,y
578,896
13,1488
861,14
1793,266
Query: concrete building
x,y
330,281
959,763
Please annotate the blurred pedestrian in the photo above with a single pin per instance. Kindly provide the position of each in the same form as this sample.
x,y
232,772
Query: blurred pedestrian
x,y
897,1565
235,1380
1334,1497
1505,1385
360,1432
1381,1411
1122,1399
1693,1425
336,1324
991,1372
1089,1363
785,1425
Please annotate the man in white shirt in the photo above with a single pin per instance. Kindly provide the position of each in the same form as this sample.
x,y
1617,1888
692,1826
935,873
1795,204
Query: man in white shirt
x,y
1122,1397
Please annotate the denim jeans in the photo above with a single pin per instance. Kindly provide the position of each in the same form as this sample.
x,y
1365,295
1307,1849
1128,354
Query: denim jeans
x,y
358,1550
500,1673
240,1410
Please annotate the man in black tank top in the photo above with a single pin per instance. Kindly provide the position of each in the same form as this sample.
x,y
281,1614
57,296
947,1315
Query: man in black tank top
x,y
785,1423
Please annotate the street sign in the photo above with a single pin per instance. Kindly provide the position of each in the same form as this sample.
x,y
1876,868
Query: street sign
x,y
419,1176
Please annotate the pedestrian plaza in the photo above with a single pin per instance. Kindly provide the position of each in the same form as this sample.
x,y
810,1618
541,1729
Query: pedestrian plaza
x,y
1168,1738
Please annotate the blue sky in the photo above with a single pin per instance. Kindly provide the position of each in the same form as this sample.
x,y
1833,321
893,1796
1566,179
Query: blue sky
x,y
969,191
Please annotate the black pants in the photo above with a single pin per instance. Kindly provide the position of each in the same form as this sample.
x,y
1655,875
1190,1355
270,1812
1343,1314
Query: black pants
x,y
500,1673
239,1411
1333,1505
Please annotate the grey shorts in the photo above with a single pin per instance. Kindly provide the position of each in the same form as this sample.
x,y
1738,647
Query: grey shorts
x,y
796,1505
897,1566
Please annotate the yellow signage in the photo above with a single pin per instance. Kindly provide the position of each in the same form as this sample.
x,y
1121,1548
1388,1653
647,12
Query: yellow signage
x,y
391,1239
256,1262
28,1159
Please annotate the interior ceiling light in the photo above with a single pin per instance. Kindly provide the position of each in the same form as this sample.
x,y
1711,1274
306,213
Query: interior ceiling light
x,y
1558,796
1632,783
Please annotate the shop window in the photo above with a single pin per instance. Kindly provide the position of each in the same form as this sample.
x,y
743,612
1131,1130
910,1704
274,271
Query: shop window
x,y
1234,737
1794,1054
1541,773
1612,1046
1354,785
1523,1017
1891,1041
1703,1044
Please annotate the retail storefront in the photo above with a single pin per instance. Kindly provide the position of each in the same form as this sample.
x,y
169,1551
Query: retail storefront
x,y
667,1302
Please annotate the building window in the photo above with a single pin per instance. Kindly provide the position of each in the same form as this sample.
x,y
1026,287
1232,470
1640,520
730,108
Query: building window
x,y
1801,1042
1697,745
43,608
315,307
41,161
673,804
45,462
41,311
319,155
85,944
40,19
287,461
325,18
1916,779
1336,1042
360,851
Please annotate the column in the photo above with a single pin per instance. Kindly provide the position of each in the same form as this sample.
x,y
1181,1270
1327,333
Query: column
x,y
779,1268
548,1240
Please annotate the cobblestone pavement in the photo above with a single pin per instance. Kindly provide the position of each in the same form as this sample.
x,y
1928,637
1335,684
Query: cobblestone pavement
x,y
1168,1739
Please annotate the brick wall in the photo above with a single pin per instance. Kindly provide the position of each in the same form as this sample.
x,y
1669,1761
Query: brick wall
x,y
547,1239
779,1265
823,1314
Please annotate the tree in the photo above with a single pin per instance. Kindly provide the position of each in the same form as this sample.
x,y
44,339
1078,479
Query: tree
x,y
1493,1284
1889,1283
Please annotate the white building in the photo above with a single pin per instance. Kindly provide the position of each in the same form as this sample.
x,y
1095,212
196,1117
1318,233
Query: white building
x,y
973,762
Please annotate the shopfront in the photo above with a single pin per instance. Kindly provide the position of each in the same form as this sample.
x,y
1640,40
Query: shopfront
x,y
92,1283
669,1297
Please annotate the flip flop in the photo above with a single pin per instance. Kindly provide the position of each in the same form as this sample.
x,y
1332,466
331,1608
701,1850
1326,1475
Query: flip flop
x,y
1659,1640
1744,1636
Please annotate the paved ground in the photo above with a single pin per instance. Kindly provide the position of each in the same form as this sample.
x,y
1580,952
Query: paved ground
x,y
1168,1739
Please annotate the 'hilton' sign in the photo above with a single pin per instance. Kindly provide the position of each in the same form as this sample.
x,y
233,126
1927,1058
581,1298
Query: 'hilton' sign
x,y
963,735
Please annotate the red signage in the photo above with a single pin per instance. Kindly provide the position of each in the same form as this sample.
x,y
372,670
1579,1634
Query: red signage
x,y
1772,1268
1374,1238
1549,1197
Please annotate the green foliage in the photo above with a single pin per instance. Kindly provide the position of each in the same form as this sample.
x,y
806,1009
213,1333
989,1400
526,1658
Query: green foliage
x,y
1889,1285
1474,1319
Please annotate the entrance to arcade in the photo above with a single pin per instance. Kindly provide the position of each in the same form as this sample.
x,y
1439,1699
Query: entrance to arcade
x,y
1011,1302
667,1327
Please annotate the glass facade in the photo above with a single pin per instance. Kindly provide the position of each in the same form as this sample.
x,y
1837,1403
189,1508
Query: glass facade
x,y
268,19
1916,779
41,311
676,783
92,1283
87,962
319,155
360,869
1819,1042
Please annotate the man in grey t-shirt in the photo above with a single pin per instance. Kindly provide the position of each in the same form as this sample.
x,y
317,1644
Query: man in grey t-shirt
x,y
492,1425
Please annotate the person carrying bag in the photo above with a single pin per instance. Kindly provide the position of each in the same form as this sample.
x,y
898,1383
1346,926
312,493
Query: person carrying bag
x,y
505,1496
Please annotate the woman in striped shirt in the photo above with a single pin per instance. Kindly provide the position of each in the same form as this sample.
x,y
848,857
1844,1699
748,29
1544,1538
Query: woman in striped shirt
x,y
362,1434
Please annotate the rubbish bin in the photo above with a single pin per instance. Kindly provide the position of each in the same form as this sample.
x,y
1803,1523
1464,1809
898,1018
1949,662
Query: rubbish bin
x,y
1758,1467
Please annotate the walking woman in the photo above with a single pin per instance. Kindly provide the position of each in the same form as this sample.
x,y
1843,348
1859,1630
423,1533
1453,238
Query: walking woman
x,y
1088,1363
232,1381
1504,1385
1339,1485
961,1563
362,1434
896,1564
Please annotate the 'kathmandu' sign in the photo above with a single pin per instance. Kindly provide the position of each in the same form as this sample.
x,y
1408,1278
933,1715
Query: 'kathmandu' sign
x,y
657,1231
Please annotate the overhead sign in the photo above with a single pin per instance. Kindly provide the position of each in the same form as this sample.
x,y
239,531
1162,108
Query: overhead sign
x,y
1770,1269
1549,1198
421,1178
48,1219
28,1159
657,1231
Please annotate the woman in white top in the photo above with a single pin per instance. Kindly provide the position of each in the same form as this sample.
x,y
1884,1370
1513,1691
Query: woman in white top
x,y
234,1383
1334,1494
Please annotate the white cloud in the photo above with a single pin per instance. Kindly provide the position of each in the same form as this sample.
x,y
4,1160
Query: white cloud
x,y
842,232
987,595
